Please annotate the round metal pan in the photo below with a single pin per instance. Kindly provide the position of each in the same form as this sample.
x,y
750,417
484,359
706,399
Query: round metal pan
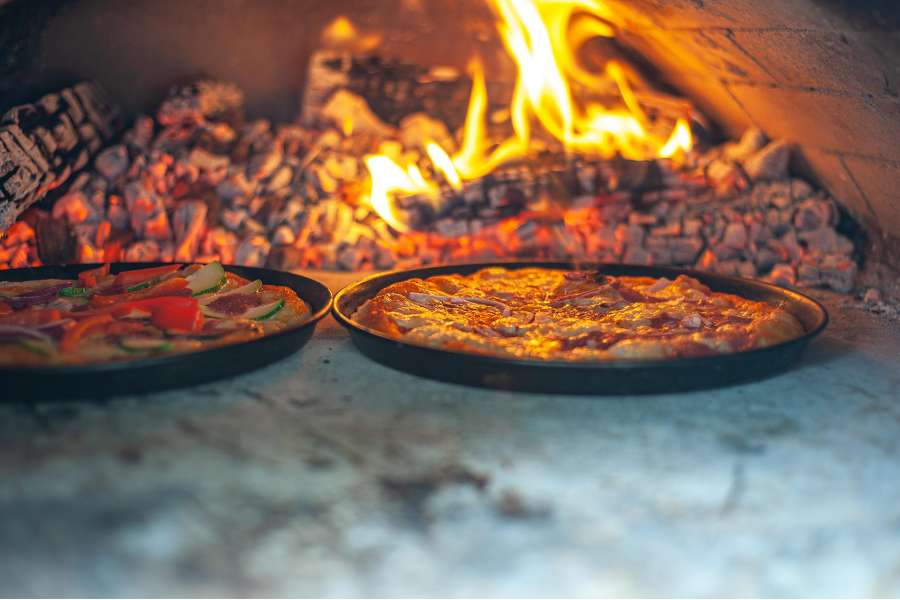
x,y
163,372
600,377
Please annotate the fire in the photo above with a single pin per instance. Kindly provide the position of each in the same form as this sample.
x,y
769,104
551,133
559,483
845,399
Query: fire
x,y
444,164
543,38
388,178
473,159
680,140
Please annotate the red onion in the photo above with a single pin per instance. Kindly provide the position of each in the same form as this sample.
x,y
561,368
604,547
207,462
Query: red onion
x,y
55,328
15,332
36,296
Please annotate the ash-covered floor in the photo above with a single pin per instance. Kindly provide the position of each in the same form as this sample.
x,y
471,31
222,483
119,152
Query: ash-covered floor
x,y
327,474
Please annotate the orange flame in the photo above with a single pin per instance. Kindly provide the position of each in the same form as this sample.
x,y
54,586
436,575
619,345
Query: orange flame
x,y
389,178
680,140
444,164
543,38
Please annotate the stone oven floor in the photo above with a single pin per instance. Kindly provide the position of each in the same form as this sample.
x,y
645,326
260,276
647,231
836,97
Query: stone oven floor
x,y
327,474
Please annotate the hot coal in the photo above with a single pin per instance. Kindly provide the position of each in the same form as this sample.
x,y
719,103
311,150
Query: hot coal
x,y
198,181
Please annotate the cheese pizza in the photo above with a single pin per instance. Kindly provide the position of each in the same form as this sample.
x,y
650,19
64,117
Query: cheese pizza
x,y
554,314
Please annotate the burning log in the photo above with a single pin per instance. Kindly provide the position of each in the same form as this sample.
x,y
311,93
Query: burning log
x,y
393,89
43,144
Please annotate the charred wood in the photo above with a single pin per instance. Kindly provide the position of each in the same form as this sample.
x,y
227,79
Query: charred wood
x,y
43,144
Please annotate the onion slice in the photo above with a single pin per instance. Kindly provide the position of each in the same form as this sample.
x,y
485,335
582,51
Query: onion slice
x,y
16,332
36,296
55,328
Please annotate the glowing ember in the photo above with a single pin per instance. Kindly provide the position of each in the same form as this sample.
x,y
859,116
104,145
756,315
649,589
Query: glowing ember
x,y
543,38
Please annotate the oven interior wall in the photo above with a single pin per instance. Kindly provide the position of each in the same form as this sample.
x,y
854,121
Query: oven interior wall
x,y
821,73
824,74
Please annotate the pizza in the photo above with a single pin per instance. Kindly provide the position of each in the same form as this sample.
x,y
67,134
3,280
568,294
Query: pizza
x,y
138,313
553,314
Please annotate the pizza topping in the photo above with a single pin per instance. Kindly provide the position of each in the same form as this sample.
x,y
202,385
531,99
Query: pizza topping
x,y
55,328
209,278
234,304
692,321
126,327
143,278
426,299
93,277
75,334
251,288
659,285
44,348
15,332
145,344
264,312
33,297
175,286
31,316
73,292
596,339
139,312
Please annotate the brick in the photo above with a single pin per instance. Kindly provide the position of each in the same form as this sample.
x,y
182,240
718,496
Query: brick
x,y
880,182
692,77
722,57
805,14
656,46
822,59
714,100
828,170
847,124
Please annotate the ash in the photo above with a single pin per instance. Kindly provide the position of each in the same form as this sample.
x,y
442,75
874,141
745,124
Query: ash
x,y
198,181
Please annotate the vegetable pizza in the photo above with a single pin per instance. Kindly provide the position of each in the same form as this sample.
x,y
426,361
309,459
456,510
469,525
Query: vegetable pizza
x,y
138,313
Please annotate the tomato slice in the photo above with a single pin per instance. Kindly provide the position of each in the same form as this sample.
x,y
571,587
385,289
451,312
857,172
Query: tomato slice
x,y
128,279
186,317
172,313
73,335
92,277
176,286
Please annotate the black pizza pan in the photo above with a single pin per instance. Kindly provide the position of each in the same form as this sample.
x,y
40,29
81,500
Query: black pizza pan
x,y
595,377
152,374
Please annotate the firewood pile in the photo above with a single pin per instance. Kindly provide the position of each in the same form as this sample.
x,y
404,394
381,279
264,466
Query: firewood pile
x,y
199,181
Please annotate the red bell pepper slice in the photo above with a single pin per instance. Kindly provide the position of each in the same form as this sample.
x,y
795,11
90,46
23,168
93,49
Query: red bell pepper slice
x,y
128,279
92,277
118,328
176,286
173,313
77,332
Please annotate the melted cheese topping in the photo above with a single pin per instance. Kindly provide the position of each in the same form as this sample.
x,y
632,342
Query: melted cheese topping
x,y
573,315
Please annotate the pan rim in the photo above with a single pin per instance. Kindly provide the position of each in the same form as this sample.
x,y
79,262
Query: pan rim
x,y
113,367
595,365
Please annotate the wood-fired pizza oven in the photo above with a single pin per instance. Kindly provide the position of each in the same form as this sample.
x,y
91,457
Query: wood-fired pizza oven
x,y
816,77
299,141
